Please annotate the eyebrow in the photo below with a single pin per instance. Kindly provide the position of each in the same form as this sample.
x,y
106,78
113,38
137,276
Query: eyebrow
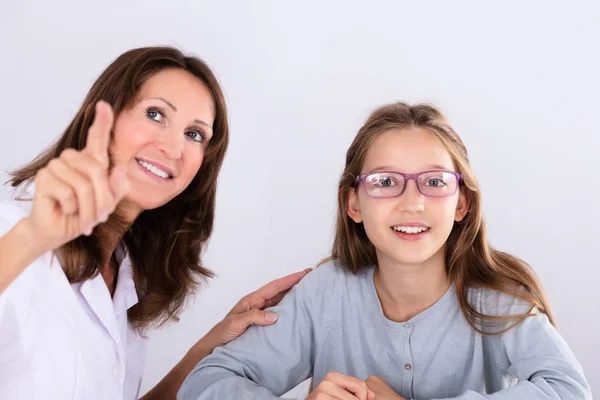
x,y
428,167
198,121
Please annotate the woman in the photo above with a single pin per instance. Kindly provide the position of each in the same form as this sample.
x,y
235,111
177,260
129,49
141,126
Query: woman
x,y
124,203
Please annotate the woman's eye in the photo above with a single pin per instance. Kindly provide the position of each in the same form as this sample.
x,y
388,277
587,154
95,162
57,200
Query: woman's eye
x,y
155,115
196,136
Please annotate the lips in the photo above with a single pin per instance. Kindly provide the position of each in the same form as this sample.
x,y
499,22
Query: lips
x,y
410,229
156,169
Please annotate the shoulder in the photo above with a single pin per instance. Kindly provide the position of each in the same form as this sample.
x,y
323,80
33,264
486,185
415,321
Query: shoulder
x,y
329,275
321,286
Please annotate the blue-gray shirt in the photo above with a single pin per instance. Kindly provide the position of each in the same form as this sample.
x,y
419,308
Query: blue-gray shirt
x,y
333,321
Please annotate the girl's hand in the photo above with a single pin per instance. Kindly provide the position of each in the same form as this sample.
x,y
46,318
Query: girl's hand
x,y
381,389
336,386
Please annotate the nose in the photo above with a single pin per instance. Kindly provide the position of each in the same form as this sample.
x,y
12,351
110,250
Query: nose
x,y
412,200
171,144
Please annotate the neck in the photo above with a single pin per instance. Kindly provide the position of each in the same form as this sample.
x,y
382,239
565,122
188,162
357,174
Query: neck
x,y
406,290
111,233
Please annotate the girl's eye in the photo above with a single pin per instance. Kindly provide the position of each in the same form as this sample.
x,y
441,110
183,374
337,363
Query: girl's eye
x,y
382,181
155,114
386,181
196,136
435,183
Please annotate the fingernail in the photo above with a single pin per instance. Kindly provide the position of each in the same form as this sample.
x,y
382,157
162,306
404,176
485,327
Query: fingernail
x,y
271,317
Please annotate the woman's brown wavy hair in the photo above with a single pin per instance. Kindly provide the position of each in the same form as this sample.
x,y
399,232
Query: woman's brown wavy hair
x,y
470,260
164,244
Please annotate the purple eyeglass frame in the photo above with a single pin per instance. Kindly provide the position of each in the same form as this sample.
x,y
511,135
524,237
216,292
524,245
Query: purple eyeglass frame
x,y
407,177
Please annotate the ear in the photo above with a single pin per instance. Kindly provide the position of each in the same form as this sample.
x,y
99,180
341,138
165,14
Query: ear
x,y
354,206
462,207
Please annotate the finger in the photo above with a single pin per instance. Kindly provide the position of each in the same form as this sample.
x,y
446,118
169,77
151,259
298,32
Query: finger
x,y
351,384
241,322
275,300
277,286
88,167
258,298
370,395
375,380
336,391
58,191
98,137
84,193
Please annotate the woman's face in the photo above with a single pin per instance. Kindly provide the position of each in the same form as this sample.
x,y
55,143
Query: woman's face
x,y
162,137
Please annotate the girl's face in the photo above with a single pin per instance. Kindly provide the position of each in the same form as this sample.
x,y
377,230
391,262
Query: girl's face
x,y
412,227
163,136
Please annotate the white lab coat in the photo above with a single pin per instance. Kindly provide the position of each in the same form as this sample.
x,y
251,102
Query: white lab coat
x,y
67,341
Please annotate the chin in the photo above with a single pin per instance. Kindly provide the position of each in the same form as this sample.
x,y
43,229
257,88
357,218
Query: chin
x,y
146,202
411,256
415,260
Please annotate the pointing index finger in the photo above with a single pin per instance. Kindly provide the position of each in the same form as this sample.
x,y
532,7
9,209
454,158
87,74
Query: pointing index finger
x,y
99,133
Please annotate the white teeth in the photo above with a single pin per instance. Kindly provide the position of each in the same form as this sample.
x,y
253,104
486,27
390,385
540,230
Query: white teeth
x,y
410,229
152,168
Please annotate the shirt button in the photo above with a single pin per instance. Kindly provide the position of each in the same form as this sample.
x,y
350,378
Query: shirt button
x,y
406,326
407,367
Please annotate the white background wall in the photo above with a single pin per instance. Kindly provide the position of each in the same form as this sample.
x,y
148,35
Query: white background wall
x,y
518,80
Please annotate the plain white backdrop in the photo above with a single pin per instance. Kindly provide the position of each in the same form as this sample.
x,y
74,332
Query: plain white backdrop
x,y
518,80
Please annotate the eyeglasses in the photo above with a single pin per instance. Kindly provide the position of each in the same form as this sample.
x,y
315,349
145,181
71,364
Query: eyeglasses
x,y
385,184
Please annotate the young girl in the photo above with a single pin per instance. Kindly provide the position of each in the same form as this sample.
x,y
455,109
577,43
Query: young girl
x,y
414,303
126,208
